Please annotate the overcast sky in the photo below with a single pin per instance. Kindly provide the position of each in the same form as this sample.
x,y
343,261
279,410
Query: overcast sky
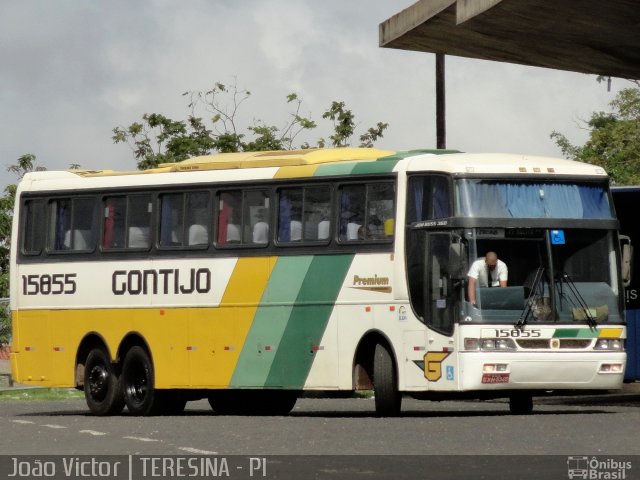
x,y
71,70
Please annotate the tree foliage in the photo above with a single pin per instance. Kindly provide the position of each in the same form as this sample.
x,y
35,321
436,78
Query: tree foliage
x,y
26,163
157,139
614,139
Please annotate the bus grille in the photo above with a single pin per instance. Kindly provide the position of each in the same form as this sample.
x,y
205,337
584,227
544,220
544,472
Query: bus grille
x,y
565,343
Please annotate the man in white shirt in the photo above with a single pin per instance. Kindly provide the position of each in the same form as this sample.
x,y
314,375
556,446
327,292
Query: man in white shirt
x,y
486,272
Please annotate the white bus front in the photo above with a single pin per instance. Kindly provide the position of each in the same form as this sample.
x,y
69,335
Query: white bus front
x,y
558,324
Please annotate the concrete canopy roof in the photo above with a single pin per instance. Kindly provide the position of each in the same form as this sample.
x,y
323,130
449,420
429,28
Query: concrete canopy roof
x,y
589,36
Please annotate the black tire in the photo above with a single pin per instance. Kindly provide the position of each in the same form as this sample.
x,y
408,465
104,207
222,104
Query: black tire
x,y
253,402
521,404
168,403
388,399
138,382
102,388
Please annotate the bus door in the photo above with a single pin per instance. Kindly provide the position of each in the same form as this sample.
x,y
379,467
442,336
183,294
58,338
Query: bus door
x,y
443,285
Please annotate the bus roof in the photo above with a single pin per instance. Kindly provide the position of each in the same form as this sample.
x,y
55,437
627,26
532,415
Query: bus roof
x,y
322,162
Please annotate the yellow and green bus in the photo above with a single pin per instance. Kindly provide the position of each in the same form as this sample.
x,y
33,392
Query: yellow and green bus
x,y
249,278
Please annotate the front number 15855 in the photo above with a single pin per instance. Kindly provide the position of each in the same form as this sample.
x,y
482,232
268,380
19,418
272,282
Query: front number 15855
x,y
515,332
56,284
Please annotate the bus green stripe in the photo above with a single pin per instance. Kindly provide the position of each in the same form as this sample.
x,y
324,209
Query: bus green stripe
x,y
331,169
270,321
308,321
383,165
575,333
380,166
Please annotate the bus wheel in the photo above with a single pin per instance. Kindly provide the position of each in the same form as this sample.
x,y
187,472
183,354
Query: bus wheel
x,y
225,402
168,403
273,402
102,388
521,404
137,381
385,385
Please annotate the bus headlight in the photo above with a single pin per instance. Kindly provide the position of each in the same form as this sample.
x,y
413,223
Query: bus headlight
x,y
609,344
471,344
497,344
489,344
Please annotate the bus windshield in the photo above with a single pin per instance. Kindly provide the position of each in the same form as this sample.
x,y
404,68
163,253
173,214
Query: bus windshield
x,y
510,199
571,278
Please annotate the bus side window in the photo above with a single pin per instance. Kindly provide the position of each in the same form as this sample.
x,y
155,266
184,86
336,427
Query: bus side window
x,y
367,212
290,215
73,224
32,233
114,222
184,219
139,221
352,203
198,218
256,217
301,213
171,219
229,217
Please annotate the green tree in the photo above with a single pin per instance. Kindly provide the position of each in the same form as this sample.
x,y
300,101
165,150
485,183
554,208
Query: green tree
x,y
26,163
158,139
614,139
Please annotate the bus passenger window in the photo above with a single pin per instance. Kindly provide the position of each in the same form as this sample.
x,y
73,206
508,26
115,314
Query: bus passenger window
x,y
256,217
198,218
301,211
379,211
73,224
229,217
32,236
352,202
171,218
316,212
290,215
114,222
184,219
367,212
138,221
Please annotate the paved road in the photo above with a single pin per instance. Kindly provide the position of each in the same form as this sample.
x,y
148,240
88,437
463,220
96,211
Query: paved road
x,y
325,427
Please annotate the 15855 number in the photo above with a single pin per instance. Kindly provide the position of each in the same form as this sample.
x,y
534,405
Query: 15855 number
x,y
56,284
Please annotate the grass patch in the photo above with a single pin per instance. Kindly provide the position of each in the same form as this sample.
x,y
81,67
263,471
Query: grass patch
x,y
27,394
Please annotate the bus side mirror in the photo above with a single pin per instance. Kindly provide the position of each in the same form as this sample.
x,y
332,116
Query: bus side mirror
x,y
627,259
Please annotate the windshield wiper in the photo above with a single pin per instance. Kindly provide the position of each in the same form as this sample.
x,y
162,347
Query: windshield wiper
x,y
579,304
531,299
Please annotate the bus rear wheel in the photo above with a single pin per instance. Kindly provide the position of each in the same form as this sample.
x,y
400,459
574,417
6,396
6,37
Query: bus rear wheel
x,y
388,399
102,388
521,404
168,403
138,381
253,402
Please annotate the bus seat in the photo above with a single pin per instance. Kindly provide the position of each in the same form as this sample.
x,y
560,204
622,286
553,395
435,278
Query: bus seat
x,y
261,232
138,237
198,235
324,227
296,230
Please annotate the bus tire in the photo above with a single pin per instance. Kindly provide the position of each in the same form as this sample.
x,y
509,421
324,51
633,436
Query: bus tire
x,y
102,387
388,399
253,402
168,403
521,404
138,382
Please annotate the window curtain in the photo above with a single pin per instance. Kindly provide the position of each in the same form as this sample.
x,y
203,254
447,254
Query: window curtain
x,y
284,222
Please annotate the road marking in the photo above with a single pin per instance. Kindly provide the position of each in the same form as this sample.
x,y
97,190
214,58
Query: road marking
x,y
54,426
142,439
25,422
93,432
196,451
